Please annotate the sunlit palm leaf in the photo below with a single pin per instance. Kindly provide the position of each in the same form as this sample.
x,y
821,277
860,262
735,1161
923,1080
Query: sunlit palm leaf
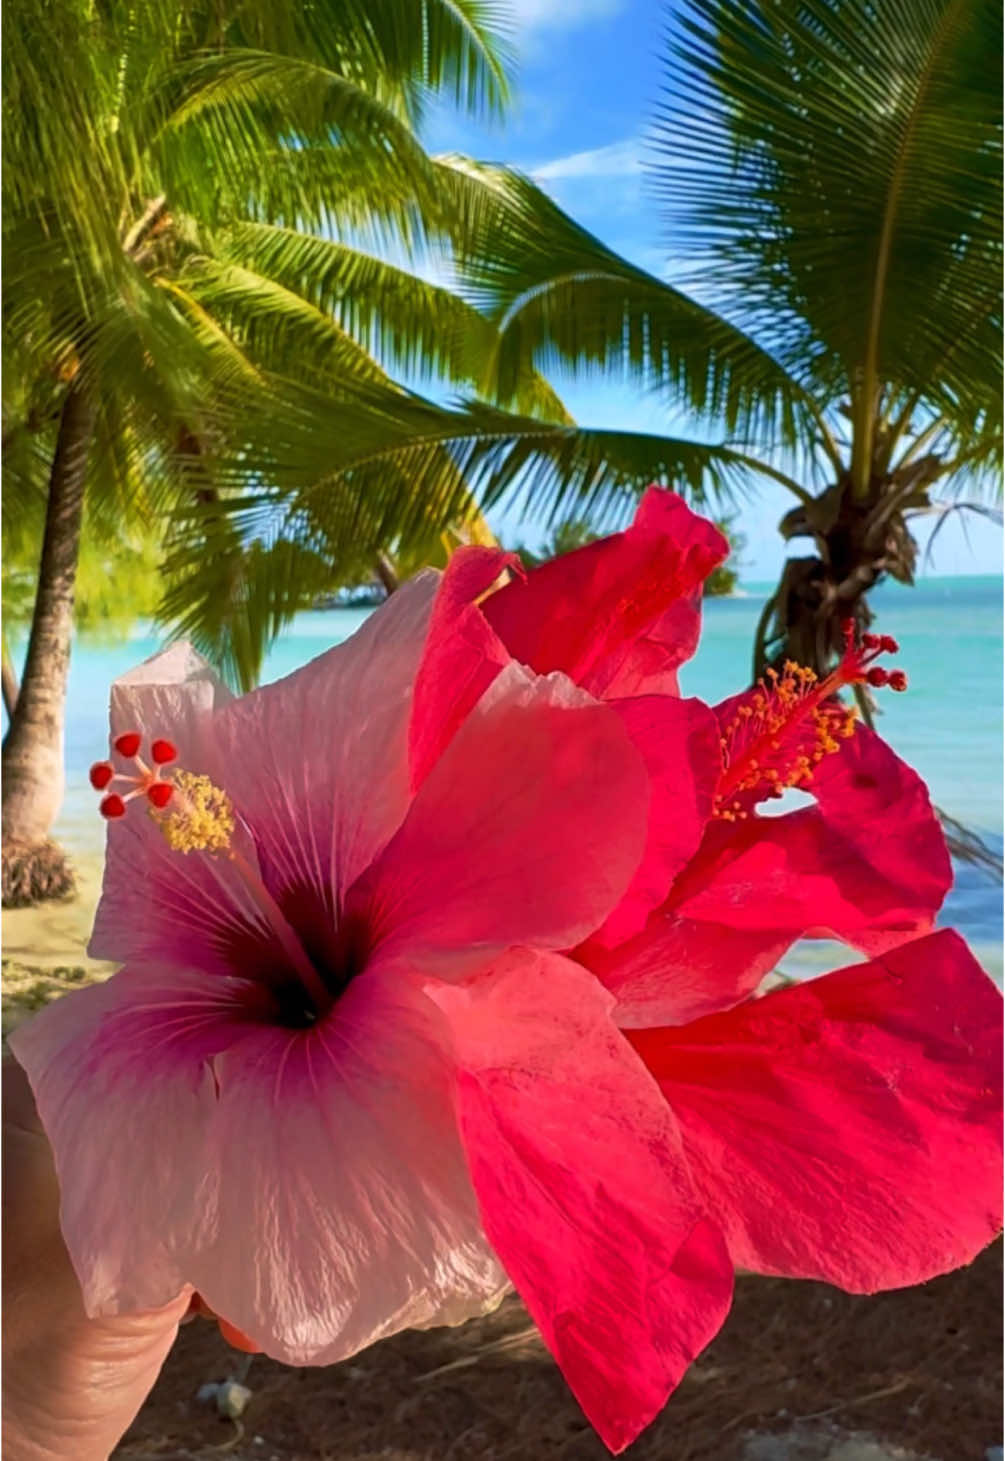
x,y
834,169
561,299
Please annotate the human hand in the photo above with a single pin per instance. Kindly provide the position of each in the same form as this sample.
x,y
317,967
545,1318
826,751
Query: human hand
x,y
71,1385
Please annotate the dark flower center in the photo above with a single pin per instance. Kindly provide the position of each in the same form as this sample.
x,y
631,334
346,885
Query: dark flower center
x,y
337,947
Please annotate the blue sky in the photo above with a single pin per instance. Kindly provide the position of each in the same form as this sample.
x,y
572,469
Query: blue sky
x,y
588,78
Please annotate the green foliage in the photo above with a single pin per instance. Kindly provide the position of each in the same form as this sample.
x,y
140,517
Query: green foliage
x,y
722,581
214,221
190,196
118,583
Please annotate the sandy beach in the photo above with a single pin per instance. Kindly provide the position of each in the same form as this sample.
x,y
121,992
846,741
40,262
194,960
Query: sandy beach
x,y
45,948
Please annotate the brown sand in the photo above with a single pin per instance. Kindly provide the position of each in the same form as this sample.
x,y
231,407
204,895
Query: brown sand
x,y
920,1369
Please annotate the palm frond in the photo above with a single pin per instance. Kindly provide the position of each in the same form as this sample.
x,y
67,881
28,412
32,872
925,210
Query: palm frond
x,y
833,169
409,324
561,299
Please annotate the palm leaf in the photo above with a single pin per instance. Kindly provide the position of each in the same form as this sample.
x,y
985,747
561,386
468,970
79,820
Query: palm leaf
x,y
411,325
562,299
833,170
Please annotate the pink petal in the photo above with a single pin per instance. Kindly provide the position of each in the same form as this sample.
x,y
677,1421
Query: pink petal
x,y
527,830
309,1184
848,1129
622,614
867,865
156,903
462,655
679,743
317,763
578,1171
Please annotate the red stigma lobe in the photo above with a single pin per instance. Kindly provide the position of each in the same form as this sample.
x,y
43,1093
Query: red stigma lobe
x,y
140,780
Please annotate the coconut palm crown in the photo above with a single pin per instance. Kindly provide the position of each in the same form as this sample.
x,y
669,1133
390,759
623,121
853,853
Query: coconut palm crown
x,y
829,174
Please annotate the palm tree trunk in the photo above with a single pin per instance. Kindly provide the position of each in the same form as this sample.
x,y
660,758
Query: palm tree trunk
x,y
33,775
8,684
857,544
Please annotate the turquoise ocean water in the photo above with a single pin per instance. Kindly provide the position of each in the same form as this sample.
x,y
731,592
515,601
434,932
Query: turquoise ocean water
x,y
949,725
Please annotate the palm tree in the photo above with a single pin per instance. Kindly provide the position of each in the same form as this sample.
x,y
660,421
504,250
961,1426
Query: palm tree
x,y
831,174
831,177
196,202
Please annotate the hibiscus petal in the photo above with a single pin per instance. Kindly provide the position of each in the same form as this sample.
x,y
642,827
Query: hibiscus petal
x,y
320,761
892,848
156,903
678,969
462,655
309,1184
622,614
867,865
583,1193
679,743
527,830
848,1129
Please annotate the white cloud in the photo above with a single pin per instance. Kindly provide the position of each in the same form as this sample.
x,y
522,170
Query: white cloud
x,y
559,14
614,160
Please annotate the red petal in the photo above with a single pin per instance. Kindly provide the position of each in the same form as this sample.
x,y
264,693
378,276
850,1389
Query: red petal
x,y
867,865
101,774
679,969
848,1129
128,743
527,830
462,656
162,752
622,614
678,741
582,1190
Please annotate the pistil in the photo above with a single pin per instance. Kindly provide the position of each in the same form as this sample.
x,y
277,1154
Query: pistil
x,y
792,721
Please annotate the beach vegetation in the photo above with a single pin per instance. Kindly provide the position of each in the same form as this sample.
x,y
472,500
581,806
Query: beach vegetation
x,y
199,210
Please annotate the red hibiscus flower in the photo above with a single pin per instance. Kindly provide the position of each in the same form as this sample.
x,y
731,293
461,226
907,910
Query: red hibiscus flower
x,y
847,1129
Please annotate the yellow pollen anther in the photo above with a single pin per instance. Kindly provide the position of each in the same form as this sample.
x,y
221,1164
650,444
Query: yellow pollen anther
x,y
777,739
199,817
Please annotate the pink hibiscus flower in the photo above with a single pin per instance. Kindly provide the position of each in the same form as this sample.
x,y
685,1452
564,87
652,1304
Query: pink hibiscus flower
x,y
342,1054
